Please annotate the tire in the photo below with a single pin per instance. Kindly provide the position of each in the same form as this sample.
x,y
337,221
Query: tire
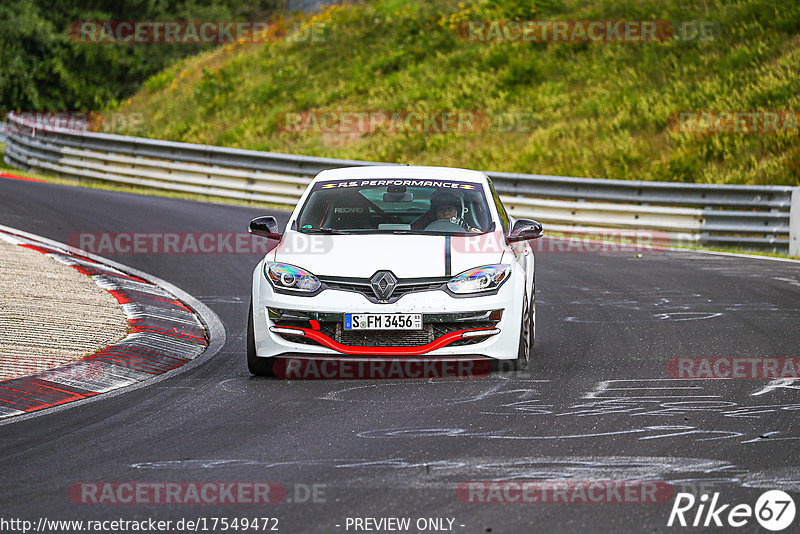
x,y
257,366
525,337
532,352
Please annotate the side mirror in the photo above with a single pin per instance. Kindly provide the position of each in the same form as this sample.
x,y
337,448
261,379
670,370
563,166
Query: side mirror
x,y
525,230
266,226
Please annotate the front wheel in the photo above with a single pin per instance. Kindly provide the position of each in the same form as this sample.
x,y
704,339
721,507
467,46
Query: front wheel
x,y
257,366
525,337
532,352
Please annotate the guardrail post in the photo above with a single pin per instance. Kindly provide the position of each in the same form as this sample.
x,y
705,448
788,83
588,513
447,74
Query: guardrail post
x,y
794,224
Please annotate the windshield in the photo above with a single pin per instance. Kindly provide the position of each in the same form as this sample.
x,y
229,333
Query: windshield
x,y
439,207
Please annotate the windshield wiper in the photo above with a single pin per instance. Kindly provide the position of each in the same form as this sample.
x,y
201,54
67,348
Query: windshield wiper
x,y
437,233
322,230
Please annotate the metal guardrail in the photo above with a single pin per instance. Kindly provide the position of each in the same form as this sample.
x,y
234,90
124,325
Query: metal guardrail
x,y
755,217
307,6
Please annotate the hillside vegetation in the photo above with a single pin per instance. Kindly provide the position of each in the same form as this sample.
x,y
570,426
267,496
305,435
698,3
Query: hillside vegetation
x,y
600,109
43,69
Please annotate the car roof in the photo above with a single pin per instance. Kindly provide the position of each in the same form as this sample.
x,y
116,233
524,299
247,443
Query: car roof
x,y
401,171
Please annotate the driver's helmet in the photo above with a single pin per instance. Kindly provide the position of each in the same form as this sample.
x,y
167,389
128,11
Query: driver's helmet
x,y
444,198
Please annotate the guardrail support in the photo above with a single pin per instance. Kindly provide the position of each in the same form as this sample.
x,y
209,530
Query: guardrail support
x,y
794,224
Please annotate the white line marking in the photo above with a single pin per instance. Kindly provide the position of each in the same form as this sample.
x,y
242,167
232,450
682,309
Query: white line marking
x,y
776,384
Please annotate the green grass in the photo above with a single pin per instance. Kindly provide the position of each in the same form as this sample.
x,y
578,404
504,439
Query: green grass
x,y
598,109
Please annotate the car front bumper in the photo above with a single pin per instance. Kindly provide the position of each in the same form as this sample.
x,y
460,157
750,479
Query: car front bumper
x,y
485,326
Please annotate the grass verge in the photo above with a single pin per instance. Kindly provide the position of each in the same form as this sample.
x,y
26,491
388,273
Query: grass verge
x,y
592,109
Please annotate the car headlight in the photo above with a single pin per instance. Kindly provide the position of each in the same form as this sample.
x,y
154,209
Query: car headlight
x,y
291,277
479,279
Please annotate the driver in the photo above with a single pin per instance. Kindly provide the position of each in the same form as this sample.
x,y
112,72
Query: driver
x,y
445,206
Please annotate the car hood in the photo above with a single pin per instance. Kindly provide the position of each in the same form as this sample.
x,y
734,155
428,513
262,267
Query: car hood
x,y
407,256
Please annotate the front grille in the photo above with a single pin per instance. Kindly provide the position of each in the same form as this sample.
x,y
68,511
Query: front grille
x,y
384,338
350,286
388,338
404,286
401,290
440,329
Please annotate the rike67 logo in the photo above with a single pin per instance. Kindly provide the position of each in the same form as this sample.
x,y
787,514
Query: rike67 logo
x,y
774,510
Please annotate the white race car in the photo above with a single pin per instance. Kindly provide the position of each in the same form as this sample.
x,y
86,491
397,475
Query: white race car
x,y
394,262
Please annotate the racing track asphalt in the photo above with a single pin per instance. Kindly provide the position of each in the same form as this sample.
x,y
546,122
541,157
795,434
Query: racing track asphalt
x,y
587,410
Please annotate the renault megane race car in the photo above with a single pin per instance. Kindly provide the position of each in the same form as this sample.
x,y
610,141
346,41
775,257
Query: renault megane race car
x,y
394,262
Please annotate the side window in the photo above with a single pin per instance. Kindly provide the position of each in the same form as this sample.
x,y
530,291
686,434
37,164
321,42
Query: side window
x,y
501,211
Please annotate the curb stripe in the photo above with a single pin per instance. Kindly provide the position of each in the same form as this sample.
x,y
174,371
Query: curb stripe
x,y
164,334
8,176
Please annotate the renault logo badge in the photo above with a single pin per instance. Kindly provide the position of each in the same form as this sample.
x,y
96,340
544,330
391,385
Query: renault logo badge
x,y
383,284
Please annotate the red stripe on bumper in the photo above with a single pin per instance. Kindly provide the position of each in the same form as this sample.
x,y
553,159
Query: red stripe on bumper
x,y
437,343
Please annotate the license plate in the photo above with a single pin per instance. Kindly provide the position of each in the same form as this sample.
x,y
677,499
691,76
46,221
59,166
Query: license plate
x,y
383,321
